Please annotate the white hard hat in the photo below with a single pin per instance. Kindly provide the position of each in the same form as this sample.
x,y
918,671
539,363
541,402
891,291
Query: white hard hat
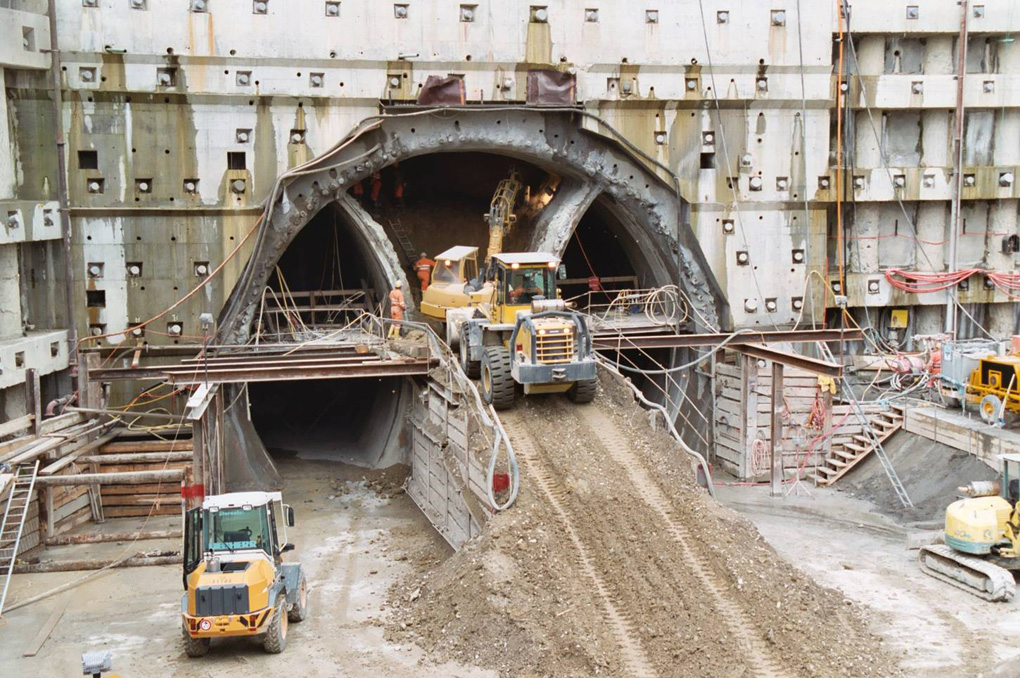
x,y
400,283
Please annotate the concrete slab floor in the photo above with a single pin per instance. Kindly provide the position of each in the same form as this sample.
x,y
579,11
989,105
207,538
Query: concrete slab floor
x,y
843,543
353,542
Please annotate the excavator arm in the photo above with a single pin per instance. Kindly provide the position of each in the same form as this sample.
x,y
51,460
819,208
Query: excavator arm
x,y
501,216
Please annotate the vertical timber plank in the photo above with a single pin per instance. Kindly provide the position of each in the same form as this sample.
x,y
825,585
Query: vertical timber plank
x,y
775,453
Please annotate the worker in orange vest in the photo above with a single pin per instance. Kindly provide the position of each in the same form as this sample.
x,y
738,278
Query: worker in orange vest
x,y
376,189
397,307
398,184
424,268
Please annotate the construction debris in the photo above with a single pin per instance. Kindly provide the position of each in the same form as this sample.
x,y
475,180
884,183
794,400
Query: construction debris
x,y
523,599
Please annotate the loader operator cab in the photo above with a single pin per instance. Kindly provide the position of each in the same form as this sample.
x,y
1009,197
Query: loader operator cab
x,y
521,278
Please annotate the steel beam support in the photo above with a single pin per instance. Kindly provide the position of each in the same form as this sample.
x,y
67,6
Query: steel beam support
x,y
621,341
812,365
286,373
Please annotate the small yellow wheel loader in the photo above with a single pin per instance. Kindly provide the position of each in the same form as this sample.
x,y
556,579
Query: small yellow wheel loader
x,y
235,580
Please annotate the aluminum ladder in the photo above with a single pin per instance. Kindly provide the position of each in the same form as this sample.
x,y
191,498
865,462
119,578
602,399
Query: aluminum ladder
x,y
14,522
403,239
869,432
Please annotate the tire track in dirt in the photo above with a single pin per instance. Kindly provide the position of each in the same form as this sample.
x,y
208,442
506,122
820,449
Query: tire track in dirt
x,y
617,448
632,652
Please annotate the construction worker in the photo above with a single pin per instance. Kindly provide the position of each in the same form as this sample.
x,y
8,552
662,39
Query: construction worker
x,y
398,185
397,307
528,287
376,189
424,267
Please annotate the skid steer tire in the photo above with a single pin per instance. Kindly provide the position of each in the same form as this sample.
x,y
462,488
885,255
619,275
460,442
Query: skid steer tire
x,y
472,368
583,391
299,610
989,408
498,387
275,640
194,647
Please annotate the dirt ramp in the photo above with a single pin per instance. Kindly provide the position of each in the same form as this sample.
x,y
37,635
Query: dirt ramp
x,y
613,563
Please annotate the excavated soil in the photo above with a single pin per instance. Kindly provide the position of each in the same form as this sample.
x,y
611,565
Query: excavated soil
x,y
697,590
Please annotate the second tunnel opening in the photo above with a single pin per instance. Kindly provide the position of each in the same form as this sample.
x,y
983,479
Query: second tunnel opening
x,y
355,421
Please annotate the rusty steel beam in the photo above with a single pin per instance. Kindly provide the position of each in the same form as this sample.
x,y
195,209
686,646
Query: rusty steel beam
x,y
272,372
620,340
812,365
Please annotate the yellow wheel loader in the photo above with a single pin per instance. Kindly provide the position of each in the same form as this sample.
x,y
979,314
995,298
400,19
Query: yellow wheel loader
x,y
523,334
982,538
235,580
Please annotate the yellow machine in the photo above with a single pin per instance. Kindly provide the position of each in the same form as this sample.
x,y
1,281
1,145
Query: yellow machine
x,y
982,538
523,333
451,285
995,386
457,267
235,580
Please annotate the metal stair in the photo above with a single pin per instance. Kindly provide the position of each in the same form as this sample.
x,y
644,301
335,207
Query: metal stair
x,y
876,430
402,239
14,522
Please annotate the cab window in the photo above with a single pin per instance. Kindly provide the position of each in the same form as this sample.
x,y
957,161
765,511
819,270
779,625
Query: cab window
x,y
527,284
445,274
470,269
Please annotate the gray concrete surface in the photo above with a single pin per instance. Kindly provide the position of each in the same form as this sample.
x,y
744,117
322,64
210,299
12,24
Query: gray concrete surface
x,y
354,544
843,543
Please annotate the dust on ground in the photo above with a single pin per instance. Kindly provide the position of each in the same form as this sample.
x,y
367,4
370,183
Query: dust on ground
x,y
517,600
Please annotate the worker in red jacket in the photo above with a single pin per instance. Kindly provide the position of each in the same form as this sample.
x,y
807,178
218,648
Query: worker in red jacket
x,y
397,306
423,267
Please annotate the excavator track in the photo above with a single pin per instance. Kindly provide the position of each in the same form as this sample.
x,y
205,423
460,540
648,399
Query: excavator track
x,y
983,579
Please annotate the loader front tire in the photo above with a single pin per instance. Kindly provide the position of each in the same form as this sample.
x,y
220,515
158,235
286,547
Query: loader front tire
x,y
498,387
582,392
275,640
472,368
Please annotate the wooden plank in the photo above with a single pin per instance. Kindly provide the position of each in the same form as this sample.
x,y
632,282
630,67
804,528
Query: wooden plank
x,y
84,449
141,511
138,458
128,446
141,500
47,629
14,425
113,478
149,488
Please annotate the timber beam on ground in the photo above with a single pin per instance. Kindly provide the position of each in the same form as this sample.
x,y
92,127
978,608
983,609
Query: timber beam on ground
x,y
615,341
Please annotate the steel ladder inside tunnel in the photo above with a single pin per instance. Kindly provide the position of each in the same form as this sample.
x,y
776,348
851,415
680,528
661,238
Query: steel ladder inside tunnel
x,y
13,523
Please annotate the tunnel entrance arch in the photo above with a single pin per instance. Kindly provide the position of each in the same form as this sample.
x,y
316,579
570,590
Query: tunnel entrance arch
x,y
593,166
605,195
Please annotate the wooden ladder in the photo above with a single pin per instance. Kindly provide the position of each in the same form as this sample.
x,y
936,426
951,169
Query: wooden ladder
x,y
14,522
843,457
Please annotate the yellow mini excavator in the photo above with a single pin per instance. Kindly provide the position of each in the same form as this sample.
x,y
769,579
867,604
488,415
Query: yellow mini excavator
x,y
982,539
235,580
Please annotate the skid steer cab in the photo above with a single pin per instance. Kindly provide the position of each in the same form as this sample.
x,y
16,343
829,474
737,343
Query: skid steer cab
x,y
235,580
525,336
